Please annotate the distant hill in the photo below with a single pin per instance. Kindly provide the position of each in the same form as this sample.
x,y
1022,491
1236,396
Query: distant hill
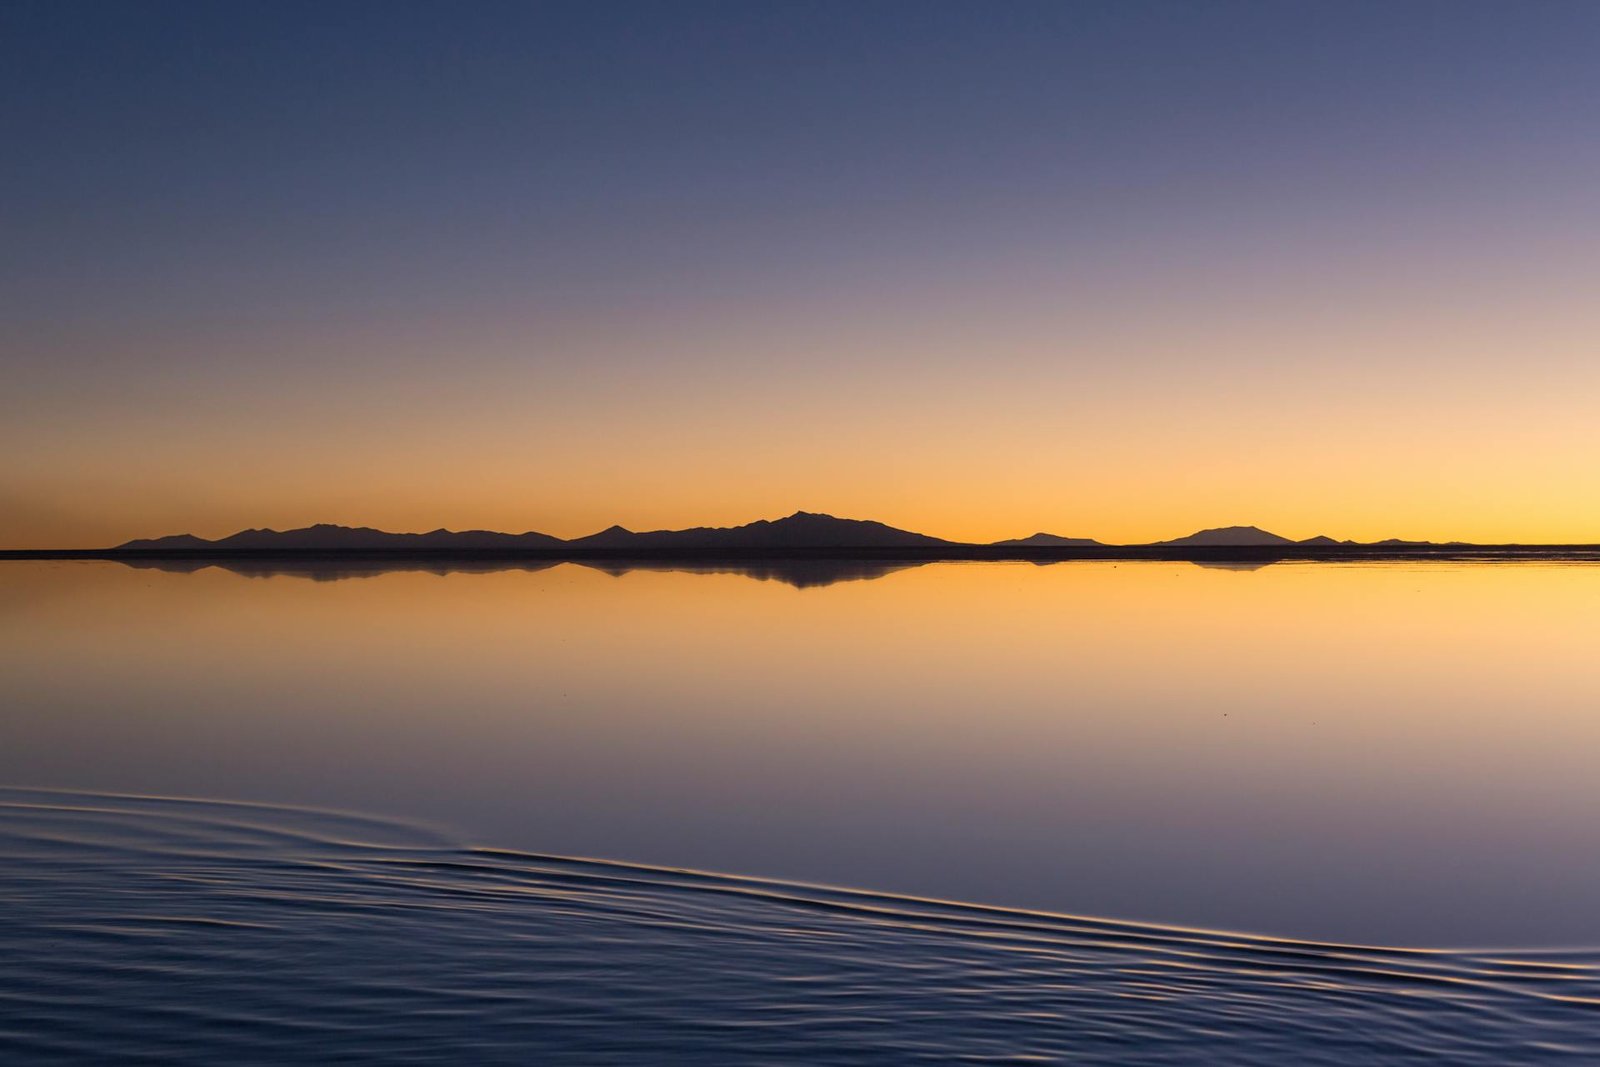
x,y
803,529
1048,540
1323,541
327,537
610,537
175,542
1226,537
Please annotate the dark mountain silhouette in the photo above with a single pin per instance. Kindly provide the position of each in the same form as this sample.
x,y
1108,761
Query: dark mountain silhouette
x,y
803,529
1047,540
174,543
327,537
1227,537
610,537
802,534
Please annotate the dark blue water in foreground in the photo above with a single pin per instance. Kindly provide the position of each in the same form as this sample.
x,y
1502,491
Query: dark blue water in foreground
x,y
174,932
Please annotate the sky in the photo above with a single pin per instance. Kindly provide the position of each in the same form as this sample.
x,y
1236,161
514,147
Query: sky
x,y
1120,270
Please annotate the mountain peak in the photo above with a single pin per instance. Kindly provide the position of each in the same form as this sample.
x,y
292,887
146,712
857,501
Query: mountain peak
x,y
1047,540
171,542
807,516
1227,537
801,530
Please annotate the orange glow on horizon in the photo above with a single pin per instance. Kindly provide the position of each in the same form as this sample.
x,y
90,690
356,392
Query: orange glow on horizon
x,y
1093,420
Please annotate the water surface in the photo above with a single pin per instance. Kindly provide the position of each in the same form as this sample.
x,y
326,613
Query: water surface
x,y
1386,754
177,932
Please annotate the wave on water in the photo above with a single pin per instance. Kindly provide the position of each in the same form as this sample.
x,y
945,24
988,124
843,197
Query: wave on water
x,y
193,932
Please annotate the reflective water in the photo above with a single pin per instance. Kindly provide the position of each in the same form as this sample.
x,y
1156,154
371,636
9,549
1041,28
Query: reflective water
x,y
1389,754
1383,755
202,933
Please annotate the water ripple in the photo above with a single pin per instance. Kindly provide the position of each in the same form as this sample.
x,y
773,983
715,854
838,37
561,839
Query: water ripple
x,y
182,932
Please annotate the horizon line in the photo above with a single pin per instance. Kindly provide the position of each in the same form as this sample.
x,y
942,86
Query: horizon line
x,y
1249,536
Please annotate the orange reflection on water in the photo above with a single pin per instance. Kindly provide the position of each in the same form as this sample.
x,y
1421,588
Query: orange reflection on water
x,y
1398,753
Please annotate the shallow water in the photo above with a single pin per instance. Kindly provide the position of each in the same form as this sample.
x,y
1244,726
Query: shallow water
x,y
1391,754
181,932
1320,755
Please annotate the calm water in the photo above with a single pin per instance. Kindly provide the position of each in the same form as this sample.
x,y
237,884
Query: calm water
x,y
1317,755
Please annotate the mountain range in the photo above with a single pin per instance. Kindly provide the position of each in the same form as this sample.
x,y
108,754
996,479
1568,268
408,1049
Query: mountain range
x,y
800,531
328,537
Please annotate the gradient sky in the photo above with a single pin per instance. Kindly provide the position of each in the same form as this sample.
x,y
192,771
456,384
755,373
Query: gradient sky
x,y
1119,270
